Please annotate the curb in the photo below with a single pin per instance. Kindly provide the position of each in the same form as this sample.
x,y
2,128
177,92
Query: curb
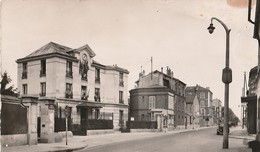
x,y
237,137
69,149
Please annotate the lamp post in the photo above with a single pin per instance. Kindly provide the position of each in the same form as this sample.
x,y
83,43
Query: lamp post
x,y
226,79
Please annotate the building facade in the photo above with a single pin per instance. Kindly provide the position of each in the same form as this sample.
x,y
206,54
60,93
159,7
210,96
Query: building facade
x,y
205,101
192,107
71,78
159,97
253,98
217,112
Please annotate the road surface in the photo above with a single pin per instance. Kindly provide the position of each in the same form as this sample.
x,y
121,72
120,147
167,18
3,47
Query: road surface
x,y
204,140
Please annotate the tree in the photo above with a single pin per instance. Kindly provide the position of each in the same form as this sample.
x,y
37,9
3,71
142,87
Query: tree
x,y
233,119
11,91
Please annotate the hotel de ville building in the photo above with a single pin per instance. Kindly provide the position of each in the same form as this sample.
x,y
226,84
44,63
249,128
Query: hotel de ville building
x,y
68,82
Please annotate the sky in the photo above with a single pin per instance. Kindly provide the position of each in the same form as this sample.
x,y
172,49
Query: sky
x,y
129,32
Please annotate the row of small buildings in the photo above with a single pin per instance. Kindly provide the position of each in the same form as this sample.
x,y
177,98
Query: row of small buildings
x,y
251,101
59,84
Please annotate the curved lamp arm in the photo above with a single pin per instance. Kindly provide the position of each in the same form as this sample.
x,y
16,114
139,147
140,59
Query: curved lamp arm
x,y
224,25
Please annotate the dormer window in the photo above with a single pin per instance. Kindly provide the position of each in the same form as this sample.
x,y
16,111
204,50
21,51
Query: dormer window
x,y
43,68
24,72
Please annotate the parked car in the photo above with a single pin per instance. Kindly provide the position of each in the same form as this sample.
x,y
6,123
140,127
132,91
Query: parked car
x,y
220,129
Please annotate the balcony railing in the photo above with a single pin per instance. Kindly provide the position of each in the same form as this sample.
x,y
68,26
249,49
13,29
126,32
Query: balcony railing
x,y
42,73
84,97
97,98
24,75
121,83
121,101
69,74
97,80
68,94
43,94
84,78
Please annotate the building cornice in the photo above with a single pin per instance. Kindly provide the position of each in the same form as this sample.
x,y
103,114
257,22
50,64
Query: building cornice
x,y
44,56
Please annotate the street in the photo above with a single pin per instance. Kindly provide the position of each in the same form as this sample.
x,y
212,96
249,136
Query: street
x,y
193,141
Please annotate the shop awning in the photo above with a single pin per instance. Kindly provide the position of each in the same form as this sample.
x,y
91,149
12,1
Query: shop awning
x,y
89,105
248,99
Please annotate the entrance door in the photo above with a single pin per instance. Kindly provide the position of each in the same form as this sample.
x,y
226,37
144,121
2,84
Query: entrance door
x,y
251,116
83,118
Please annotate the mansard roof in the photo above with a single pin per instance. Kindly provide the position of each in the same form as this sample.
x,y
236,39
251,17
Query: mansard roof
x,y
117,68
50,48
53,49
197,88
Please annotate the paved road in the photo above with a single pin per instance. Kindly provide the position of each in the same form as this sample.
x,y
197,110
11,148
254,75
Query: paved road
x,y
204,140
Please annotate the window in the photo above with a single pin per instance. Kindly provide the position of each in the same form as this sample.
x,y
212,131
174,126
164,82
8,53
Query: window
x,y
97,75
166,83
151,102
43,68
43,89
68,92
202,95
25,87
24,72
121,97
97,95
69,69
121,79
84,95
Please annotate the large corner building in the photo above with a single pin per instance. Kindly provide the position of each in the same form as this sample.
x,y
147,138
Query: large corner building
x,y
92,95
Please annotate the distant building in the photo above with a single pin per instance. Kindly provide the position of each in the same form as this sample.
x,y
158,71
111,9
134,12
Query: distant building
x,y
205,101
76,86
217,112
192,107
159,97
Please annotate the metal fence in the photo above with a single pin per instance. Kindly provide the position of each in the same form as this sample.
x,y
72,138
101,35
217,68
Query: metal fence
x,y
143,124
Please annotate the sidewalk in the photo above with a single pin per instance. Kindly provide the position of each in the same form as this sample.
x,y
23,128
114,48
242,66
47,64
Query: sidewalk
x,y
237,133
80,142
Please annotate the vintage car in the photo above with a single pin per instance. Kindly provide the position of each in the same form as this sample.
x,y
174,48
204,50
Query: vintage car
x,y
220,129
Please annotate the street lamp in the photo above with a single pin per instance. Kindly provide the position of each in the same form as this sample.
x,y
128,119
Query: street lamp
x,y
226,79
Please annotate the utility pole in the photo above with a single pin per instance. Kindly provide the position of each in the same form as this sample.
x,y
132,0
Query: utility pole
x,y
226,79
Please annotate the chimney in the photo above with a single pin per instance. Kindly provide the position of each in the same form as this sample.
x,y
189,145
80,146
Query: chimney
x,y
140,74
162,69
168,72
